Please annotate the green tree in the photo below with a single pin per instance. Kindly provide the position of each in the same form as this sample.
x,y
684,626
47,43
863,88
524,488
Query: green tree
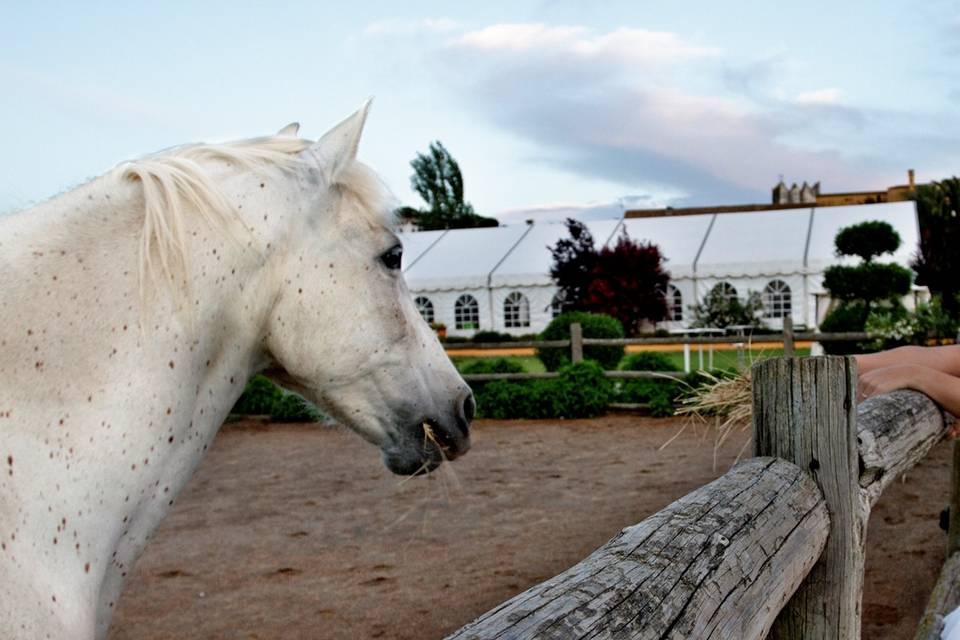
x,y
938,259
438,180
574,260
723,308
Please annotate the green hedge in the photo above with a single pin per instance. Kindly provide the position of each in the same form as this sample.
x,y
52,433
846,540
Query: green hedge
x,y
659,394
492,365
580,391
491,336
594,325
648,361
263,398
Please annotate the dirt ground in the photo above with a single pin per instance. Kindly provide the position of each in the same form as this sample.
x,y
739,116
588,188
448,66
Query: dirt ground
x,y
298,531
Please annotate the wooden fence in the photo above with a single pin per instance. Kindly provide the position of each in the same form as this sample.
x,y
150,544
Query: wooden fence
x,y
577,342
773,548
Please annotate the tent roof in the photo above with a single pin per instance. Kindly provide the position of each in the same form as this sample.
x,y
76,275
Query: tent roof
x,y
710,245
462,258
679,238
529,262
755,243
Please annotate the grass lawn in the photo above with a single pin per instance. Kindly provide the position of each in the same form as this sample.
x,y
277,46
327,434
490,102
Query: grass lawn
x,y
530,364
726,359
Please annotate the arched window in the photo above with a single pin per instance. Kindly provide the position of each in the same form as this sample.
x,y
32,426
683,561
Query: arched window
x,y
776,299
425,307
466,312
516,310
724,290
674,304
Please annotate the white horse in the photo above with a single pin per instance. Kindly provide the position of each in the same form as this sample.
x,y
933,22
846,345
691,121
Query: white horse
x,y
135,308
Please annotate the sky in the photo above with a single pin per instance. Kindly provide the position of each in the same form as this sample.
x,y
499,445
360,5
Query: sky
x,y
552,108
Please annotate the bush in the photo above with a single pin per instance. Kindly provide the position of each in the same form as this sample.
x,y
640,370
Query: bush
x,y
581,391
505,400
293,408
933,321
648,361
846,316
895,325
594,326
491,336
659,394
492,365
258,398
263,398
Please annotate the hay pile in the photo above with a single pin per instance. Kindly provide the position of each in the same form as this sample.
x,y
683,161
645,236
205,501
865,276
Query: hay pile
x,y
722,404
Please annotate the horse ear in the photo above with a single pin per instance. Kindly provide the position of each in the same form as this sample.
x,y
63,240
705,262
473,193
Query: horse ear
x,y
290,130
337,149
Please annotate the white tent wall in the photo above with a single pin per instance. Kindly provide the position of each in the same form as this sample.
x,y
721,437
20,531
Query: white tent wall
x,y
746,249
801,303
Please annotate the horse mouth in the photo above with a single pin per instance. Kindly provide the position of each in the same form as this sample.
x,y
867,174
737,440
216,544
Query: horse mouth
x,y
423,447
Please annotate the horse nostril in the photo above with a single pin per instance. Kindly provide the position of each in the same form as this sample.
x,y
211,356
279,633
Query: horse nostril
x,y
466,408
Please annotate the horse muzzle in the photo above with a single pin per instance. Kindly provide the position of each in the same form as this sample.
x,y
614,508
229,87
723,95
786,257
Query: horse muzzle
x,y
423,446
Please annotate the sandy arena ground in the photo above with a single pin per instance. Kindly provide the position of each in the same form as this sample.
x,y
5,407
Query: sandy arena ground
x,y
297,531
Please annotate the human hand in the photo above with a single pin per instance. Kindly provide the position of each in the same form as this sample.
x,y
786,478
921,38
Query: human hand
x,y
887,379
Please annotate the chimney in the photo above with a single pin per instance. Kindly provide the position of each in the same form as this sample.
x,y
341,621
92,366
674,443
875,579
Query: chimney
x,y
911,179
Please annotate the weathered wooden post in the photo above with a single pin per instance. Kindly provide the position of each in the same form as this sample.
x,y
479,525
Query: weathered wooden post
x,y
804,410
953,532
576,342
788,343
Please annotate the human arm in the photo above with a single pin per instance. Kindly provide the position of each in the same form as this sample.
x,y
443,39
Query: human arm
x,y
944,359
941,387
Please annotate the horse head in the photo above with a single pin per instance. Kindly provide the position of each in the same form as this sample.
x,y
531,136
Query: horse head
x,y
343,330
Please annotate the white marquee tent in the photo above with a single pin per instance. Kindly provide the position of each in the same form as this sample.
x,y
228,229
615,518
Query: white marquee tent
x,y
499,278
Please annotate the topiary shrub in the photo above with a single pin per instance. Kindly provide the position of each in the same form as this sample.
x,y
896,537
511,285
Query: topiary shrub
x,y
870,281
594,325
867,240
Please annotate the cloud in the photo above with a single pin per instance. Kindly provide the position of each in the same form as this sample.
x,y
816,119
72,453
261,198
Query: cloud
x,y
656,112
820,96
624,46
398,27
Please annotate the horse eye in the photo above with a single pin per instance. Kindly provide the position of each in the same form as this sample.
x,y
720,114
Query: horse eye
x,y
392,257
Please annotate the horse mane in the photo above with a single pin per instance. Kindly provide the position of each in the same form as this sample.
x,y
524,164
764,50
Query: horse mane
x,y
176,179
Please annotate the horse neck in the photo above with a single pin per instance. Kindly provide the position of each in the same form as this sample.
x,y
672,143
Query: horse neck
x,y
111,418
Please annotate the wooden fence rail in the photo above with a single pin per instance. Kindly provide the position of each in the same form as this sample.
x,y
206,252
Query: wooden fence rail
x,y
774,546
577,342
665,340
